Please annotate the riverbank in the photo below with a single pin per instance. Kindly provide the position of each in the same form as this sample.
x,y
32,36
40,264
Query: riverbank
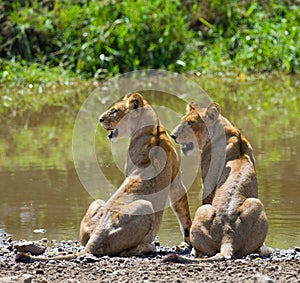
x,y
280,266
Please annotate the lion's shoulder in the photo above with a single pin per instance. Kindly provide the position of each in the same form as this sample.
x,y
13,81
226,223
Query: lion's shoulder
x,y
237,144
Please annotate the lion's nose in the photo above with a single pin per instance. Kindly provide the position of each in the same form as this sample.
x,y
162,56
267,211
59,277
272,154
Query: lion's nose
x,y
101,119
173,136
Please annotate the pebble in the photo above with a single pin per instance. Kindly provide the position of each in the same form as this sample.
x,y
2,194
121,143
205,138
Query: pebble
x,y
34,248
44,240
40,271
27,278
260,278
42,231
280,266
51,261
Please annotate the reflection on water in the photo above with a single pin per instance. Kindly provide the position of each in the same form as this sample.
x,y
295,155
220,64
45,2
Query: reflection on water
x,y
42,199
39,188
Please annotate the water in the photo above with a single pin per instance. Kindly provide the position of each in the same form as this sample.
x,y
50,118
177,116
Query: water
x,y
39,187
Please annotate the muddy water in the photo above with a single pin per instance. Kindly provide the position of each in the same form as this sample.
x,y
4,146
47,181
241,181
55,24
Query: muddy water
x,y
42,196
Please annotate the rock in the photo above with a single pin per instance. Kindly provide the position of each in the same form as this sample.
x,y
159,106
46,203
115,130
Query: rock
x,y
22,257
42,231
34,248
89,258
281,266
44,240
40,271
297,249
260,278
265,251
27,278
9,240
253,255
9,279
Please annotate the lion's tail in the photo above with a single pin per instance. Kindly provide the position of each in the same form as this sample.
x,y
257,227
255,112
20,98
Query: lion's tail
x,y
26,258
184,259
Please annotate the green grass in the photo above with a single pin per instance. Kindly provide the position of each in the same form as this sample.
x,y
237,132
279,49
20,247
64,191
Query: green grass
x,y
44,41
21,72
102,38
254,38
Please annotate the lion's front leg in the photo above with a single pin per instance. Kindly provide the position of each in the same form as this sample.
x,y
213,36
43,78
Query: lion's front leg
x,y
205,231
179,204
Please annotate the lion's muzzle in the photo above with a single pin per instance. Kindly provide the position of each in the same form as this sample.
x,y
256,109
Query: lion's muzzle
x,y
113,134
186,147
173,137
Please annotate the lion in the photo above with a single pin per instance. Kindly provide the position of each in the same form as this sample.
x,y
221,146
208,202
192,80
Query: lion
x,y
128,222
232,222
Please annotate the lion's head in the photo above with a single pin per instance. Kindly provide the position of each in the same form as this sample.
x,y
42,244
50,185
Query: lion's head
x,y
122,118
195,127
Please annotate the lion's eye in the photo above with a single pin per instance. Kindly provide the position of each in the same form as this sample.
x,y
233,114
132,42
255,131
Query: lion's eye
x,y
190,123
113,112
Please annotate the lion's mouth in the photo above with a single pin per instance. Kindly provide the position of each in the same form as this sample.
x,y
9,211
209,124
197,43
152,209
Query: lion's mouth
x,y
113,134
186,147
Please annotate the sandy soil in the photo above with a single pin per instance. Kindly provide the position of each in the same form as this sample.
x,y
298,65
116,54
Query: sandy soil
x,y
280,266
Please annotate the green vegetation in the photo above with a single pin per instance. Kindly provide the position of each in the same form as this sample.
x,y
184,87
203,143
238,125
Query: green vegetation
x,y
52,40
254,36
49,48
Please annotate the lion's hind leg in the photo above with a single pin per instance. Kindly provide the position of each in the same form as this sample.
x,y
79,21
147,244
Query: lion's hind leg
x,y
91,220
130,230
252,227
205,232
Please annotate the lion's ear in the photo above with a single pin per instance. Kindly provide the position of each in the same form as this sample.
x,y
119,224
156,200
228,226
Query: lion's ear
x,y
135,101
212,112
190,107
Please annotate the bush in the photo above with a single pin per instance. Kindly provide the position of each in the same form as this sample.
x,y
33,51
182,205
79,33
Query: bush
x,y
103,38
256,36
93,38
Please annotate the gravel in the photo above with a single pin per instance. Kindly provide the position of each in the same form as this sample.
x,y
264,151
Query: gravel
x,y
280,266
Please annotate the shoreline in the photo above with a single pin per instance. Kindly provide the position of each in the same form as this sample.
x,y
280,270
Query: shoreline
x,y
280,266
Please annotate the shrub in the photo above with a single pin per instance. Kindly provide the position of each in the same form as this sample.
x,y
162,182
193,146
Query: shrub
x,y
103,37
256,36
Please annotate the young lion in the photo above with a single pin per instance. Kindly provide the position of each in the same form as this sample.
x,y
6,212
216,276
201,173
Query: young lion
x,y
232,220
129,221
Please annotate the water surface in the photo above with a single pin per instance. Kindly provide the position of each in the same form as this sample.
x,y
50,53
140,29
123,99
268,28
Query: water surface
x,y
39,187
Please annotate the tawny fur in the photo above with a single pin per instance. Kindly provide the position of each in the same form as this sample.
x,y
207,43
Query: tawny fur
x,y
232,221
129,221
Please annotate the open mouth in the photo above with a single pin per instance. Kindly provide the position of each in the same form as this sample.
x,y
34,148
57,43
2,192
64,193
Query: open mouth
x,y
187,147
113,134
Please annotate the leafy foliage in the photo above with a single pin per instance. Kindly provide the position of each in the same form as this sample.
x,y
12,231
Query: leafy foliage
x,y
102,38
256,36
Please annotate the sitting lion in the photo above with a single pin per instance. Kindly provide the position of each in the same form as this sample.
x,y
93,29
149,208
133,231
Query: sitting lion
x,y
128,222
232,221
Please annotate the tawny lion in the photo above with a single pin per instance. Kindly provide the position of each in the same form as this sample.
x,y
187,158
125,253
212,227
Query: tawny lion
x,y
232,221
128,222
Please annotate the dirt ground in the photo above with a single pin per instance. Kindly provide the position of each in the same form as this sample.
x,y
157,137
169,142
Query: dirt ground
x,y
280,266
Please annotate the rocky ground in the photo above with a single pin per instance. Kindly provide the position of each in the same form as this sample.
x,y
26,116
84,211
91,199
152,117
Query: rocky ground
x,y
280,266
